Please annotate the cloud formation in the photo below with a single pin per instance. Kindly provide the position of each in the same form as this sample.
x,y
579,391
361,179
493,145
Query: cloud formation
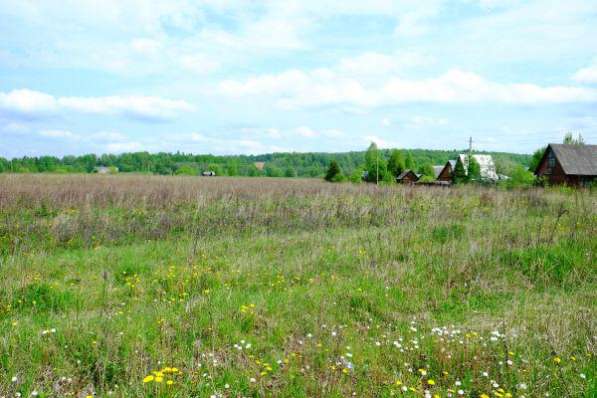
x,y
587,75
30,103
322,87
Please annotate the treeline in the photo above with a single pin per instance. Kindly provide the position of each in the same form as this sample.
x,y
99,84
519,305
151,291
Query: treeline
x,y
275,164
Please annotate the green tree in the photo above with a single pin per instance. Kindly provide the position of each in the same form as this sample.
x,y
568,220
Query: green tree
x,y
375,164
396,163
474,170
272,171
570,140
357,175
536,158
333,172
290,172
521,177
186,170
410,163
427,170
459,173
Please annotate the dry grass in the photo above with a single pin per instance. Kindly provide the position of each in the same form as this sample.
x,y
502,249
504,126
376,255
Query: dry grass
x,y
324,281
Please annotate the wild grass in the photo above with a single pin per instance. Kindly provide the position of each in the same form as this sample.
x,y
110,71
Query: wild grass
x,y
265,287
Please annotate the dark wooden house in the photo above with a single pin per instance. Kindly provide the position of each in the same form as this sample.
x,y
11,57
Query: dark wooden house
x,y
447,173
408,177
574,165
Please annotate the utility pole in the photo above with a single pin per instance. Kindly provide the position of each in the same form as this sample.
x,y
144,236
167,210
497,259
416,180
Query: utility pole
x,y
377,166
470,151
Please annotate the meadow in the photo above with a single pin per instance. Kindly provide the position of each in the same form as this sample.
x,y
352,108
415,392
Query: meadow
x,y
246,287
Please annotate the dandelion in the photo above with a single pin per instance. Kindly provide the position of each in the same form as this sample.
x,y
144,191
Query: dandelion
x,y
557,360
431,382
148,379
170,382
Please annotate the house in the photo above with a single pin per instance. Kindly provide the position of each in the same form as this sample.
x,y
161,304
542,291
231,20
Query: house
x,y
408,177
574,165
208,173
437,170
486,165
105,170
447,172
259,165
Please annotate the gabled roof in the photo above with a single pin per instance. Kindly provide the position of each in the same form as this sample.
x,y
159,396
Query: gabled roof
x,y
576,159
452,163
405,173
437,170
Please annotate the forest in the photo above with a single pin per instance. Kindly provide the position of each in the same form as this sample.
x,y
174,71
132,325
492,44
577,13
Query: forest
x,y
310,164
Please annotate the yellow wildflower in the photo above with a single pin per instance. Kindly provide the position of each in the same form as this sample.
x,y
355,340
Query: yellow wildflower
x,y
431,382
148,379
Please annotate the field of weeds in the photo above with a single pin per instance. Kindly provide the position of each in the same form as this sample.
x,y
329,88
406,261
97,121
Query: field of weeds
x,y
196,287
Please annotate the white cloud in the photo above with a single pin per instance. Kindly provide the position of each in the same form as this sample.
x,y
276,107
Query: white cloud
x,y
58,134
386,122
118,147
587,74
306,132
321,87
34,103
198,63
426,121
381,142
222,145
146,46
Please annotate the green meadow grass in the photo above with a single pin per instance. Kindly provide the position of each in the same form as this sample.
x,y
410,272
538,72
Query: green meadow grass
x,y
236,288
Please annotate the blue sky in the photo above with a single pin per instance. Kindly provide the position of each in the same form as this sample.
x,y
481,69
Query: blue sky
x,y
232,76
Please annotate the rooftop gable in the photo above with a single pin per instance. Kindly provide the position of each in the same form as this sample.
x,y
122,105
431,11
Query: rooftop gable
x,y
576,159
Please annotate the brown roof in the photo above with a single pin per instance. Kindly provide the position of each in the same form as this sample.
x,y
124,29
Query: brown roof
x,y
576,159
407,172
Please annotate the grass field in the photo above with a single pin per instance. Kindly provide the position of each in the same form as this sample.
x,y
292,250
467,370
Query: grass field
x,y
181,287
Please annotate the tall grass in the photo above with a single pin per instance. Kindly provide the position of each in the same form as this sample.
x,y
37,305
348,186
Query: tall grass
x,y
270,287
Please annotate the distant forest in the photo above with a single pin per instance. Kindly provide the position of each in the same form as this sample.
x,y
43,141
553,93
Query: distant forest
x,y
311,164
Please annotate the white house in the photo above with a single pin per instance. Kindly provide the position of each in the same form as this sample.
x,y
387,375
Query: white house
x,y
486,164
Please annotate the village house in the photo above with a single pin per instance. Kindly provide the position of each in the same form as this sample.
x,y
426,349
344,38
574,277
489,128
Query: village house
x,y
105,170
208,173
408,177
486,166
574,165
447,172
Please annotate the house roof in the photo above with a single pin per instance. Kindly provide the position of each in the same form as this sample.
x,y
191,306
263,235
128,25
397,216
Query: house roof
x,y
576,159
405,173
437,170
452,163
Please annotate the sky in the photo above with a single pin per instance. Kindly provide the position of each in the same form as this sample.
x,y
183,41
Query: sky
x,y
251,77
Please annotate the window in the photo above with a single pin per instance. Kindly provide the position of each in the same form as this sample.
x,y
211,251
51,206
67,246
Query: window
x,y
551,161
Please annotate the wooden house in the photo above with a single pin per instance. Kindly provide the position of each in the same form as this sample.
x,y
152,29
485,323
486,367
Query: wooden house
x,y
437,170
574,165
208,173
408,177
447,173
